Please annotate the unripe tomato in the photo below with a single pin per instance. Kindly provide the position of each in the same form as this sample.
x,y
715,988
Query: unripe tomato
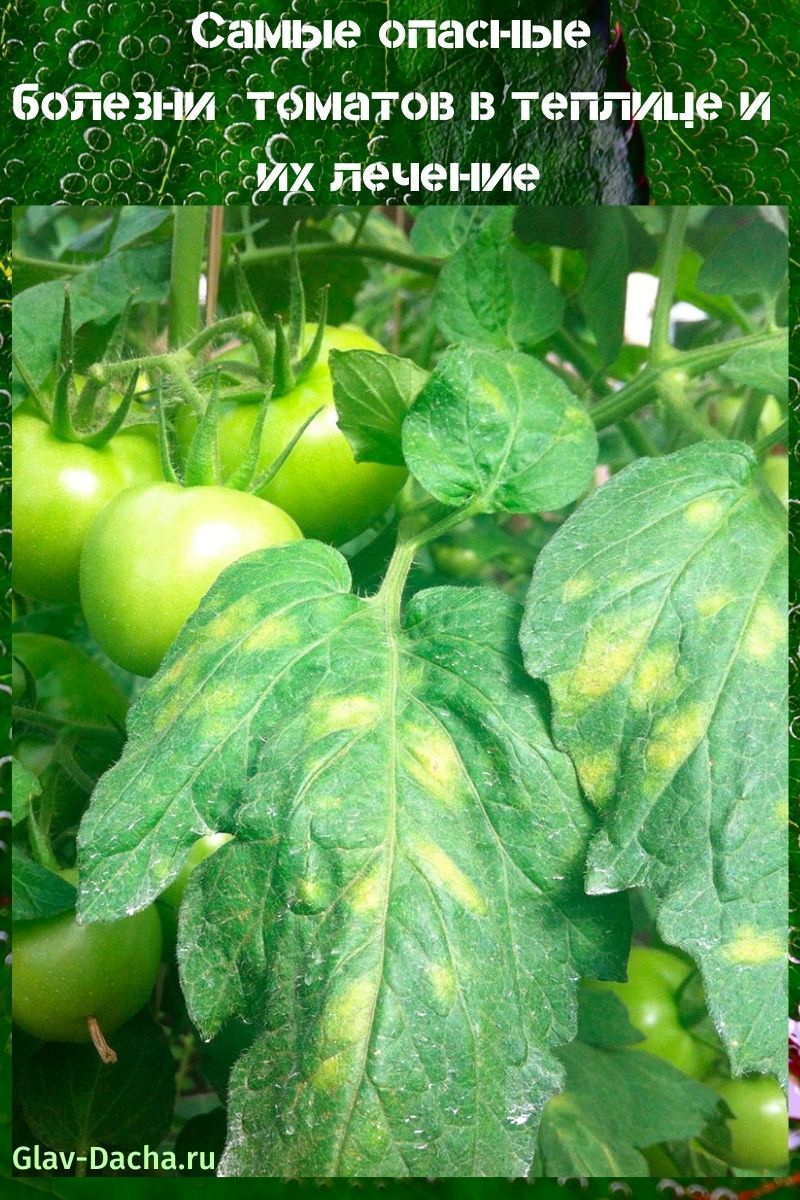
x,y
64,973
329,494
759,1127
650,995
776,471
169,901
154,552
59,489
726,411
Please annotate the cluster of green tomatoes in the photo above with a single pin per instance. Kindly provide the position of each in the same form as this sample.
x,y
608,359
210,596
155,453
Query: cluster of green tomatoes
x,y
130,500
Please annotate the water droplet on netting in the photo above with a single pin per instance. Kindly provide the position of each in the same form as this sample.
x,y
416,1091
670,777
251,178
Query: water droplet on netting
x,y
159,45
142,81
135,133
131,47
278,65
197,74
73,183
83,54
109,81
86,161
142,192
279,147
120,168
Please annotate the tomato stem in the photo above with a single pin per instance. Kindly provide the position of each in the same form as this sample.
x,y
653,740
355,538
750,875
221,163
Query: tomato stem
x,y
660,347
188,245
100,1044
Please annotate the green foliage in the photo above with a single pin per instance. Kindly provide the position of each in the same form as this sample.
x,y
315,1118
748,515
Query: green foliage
x,y
662,646
535,447
431,846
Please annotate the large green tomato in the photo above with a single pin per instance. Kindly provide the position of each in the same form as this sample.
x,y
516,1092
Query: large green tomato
x,y
329,494
59,489
650,995
759,1127
64,973
154,552
69,684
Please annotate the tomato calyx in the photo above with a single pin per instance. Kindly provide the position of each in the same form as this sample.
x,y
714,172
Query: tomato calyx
x,y
200,465
77,421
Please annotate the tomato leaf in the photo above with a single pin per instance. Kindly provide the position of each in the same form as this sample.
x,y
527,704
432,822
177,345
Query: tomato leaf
x,y
72,1100
599,1125
750,261
493,294
24,787
37,891
762,367
440,232
373,392
401,914
502,428
656,615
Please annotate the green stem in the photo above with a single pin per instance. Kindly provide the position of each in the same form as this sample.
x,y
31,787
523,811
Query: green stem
x,y
412,537
40,845
415,262
640,391
46,265
188,247
660,347
776,438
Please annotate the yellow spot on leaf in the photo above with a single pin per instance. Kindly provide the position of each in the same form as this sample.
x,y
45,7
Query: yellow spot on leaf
x,y
347,1016
609,653
368,894
273,634
676,737
655,679
433,761
443,982
703,511
713,603
765,633
444,872
597,776
750,947
782,811
576,588
330,1074
345,712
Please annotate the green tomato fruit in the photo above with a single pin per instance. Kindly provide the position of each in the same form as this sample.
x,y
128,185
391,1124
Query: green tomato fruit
x,y
776,471
154,552
69,685
650,996
726,411
64,973
170,900
59,489
759,1127
329,494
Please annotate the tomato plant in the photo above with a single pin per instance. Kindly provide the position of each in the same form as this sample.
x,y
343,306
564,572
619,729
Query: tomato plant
x,y
463,617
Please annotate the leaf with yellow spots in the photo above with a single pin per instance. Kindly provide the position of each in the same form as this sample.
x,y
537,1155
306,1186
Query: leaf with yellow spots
x,y
668,682
400,916
499,429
